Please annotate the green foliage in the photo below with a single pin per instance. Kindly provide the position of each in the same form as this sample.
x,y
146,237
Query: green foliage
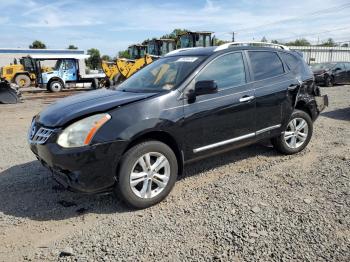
x,y
37,45
94,61
275,42
264,39
175,33
218,42
106,58
345,45
299,42
124,54
330,42
72,47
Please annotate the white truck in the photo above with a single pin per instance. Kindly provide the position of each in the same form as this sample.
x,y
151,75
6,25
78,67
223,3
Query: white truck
x,y
67,71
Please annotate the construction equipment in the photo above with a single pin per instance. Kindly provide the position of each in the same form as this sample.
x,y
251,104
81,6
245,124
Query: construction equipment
x,y
142,55
195,39
160,47
8,95
137,51
123,68
23,74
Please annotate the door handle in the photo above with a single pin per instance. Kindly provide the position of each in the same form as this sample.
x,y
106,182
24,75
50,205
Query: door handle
x,y
246,98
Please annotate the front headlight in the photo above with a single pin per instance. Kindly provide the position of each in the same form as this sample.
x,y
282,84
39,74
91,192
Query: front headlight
x,y
81,132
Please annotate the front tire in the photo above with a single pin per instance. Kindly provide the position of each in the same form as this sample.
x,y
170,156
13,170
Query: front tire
x,y
55,86
22,81
147,173
297,134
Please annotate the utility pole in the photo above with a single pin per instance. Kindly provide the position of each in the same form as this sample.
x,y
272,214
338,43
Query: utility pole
x,y
233,36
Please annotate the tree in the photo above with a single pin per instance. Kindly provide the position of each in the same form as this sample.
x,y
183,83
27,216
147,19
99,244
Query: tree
x,y
124,54
37,45
345,45
106,58
330,42
72,47
274,42
175,33
264,39
218,41
299,42
94,61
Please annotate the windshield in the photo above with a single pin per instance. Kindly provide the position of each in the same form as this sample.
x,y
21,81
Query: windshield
x,y
186,41
57,65
322,66
163,74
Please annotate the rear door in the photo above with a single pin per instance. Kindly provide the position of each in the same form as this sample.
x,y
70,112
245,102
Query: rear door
x,y
272,84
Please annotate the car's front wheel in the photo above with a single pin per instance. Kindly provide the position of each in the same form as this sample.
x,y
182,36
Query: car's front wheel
x,y
297,134
147,173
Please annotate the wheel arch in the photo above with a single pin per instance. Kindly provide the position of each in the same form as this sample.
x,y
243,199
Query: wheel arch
x,y
163,137
55,78
308,107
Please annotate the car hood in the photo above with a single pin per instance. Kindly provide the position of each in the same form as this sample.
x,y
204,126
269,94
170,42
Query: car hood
x,y
67,109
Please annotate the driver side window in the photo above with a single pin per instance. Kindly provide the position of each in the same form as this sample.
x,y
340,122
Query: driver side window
x,y
226,71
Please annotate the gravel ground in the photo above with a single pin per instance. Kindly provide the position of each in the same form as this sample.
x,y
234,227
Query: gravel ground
x,y
247,205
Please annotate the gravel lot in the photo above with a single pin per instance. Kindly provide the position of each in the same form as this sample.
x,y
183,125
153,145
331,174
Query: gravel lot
x,y
247,205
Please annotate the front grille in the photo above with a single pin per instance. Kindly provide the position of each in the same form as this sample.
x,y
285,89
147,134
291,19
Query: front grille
x,y
40,136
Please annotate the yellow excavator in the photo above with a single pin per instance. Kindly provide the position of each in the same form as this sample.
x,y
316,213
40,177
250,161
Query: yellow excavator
x,y
142,55
22,74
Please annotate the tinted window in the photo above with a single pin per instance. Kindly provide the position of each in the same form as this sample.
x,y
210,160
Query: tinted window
x,y
265,64
347,66
296,64
227,70
341,66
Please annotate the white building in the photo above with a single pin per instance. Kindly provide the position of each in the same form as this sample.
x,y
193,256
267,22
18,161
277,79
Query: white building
x,y
320,54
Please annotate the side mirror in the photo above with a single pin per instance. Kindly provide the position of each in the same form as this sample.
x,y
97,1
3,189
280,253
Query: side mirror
x,y
205,87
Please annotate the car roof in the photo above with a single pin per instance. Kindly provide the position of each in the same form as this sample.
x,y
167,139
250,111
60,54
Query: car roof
x,y
207,51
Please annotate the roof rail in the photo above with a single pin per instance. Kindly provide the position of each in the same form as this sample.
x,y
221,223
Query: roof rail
x,y
180,50
227,45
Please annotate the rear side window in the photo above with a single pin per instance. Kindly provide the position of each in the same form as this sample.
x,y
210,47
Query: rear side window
x,y
296,64
347,66
227,70
265,64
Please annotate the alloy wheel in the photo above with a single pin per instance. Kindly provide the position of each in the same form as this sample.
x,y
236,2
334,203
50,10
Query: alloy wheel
x,y
296,133
150,175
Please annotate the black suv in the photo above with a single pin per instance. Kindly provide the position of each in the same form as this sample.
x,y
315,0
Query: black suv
x,y
191,103
328,74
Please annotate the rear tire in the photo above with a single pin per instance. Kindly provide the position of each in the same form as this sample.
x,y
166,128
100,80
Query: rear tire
x,y
55,86
297,134
22,81
148,172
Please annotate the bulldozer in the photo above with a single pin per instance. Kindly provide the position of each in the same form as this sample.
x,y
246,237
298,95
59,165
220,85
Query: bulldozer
x,y
8,95
23,74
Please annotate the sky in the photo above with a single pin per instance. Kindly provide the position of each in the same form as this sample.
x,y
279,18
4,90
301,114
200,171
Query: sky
x,y
112,25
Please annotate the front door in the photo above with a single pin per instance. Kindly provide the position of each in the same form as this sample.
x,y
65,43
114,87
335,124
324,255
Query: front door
x,y
69,70
224,118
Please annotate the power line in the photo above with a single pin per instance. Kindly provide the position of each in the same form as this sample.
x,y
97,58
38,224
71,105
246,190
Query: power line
x,y
307,15
318,33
